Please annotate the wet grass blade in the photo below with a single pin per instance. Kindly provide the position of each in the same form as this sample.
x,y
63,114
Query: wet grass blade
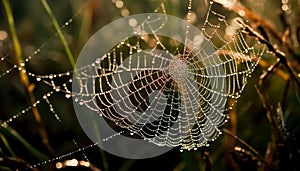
x,y
16,137
59,32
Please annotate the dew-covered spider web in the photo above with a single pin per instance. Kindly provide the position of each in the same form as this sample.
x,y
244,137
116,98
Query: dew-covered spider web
x,y
169,91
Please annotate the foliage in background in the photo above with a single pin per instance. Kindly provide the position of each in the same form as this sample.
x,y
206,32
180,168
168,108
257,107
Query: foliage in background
x,y
263,132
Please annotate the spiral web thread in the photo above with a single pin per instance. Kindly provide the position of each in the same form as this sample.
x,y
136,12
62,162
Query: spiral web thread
x,y
167,107
170,98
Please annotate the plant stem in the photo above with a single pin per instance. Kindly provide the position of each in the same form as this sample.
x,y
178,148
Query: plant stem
x,y
59,32
244,143
23,76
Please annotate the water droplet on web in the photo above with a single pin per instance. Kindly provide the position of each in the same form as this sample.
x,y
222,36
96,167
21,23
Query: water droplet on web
x,y
38,79
57,89
68,96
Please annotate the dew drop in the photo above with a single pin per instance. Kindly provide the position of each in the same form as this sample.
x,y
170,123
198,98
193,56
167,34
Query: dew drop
x,y
57,89
68,96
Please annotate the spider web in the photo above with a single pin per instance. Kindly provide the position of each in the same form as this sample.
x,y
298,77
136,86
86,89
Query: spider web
x,y
175,94
170,98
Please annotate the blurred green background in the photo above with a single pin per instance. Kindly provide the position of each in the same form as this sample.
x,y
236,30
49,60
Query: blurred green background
x,y
249,120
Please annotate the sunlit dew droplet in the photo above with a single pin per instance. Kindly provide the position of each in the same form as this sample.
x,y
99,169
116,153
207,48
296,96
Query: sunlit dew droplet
x,y
3,35
119,4
57,89
125,12
132,22
97,61
58,165
242,13
285,7
68,95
